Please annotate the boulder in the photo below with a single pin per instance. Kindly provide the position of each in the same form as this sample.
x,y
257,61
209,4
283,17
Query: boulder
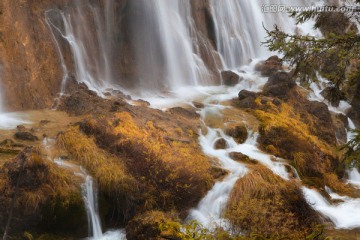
x,y
240,157
272,65
220,144
247,99
239,133
26,136
245,94
279,84
230,78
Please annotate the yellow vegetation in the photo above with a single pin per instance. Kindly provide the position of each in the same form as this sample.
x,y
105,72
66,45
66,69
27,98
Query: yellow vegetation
x,y
265,204
286,119
109,171
44,191
153,167
176,169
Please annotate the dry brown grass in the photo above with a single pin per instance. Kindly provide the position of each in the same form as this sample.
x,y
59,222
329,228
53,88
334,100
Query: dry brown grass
x,y
263,203
151,167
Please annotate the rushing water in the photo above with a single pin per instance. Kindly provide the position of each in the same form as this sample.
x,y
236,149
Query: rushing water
x,y
167,60
345,215
90,199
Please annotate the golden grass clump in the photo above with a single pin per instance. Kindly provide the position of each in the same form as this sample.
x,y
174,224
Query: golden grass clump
x,y
290,123
44,191
118,189
283,132
170,169
176,169
265,204
106,168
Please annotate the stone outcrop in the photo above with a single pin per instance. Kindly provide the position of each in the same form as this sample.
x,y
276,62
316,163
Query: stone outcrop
x,y
270,66
279,84
230,78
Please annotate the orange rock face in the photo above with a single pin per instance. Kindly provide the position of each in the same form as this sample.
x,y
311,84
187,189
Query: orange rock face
x,y
31,73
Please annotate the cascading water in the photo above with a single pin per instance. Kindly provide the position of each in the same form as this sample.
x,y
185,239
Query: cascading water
x,y
354,177
166,59
161,46
164,45
239,32
91,48
90,198
209,210
345,215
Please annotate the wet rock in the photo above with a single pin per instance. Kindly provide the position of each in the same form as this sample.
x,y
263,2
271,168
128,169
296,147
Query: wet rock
x,y
240,157
279,84
319,110
77,104
334,95
270,66
220,144
26,136
230,78
238,133
198,104
247,99
245,94
218,173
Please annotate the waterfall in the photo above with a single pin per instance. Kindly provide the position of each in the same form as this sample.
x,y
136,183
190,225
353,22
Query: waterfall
x,y
239,30
165,46
90,198
157,48
88,31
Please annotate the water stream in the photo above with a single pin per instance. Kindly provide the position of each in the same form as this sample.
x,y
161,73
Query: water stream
x,y
167,60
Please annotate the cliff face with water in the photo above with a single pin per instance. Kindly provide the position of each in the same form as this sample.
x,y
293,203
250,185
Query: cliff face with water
x,y
257,156
37,52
